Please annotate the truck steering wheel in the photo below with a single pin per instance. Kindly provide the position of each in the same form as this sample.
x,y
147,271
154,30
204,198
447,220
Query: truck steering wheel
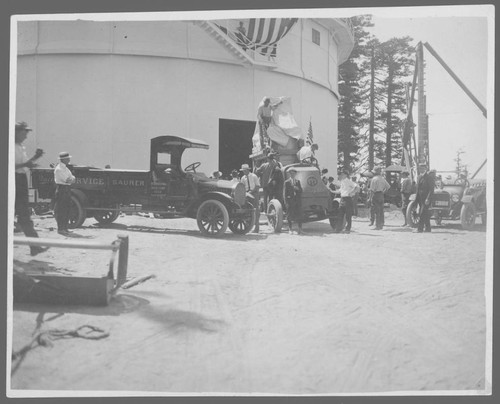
x,y
192,167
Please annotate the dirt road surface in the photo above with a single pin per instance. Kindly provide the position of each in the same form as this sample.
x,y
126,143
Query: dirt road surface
x,y
370,311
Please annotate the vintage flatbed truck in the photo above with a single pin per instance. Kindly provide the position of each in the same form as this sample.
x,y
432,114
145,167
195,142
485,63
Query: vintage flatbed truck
x,y
166,190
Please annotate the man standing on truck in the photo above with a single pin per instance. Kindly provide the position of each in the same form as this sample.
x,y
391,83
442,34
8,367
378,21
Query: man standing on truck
x,y
264,116
63,179
252,186
23,164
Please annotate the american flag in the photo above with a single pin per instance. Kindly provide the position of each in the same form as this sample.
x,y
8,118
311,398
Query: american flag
x,y
263,34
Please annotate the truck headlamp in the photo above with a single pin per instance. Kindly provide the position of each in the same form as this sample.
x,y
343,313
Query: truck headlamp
x,y
455,198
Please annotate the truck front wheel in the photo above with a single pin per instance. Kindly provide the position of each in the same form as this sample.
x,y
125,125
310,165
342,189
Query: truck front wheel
x,y
243,224
77,214
412,216
212,218
275,215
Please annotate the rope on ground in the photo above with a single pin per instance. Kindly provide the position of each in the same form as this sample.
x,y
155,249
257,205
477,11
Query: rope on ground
x,y
45,338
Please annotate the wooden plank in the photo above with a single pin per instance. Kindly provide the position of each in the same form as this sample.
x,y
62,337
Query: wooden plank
x,y
49,242
57,289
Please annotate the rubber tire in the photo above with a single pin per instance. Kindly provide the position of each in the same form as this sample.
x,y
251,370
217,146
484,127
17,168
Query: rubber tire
x,y
275,215
235,224
106,217
77,213
218,210
468,216
333,222
412,216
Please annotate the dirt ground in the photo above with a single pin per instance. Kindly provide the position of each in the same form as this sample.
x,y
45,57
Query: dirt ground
x,y
370,311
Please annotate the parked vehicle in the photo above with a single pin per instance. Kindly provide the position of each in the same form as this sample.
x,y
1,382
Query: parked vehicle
x,y
455,199
318,203
166,190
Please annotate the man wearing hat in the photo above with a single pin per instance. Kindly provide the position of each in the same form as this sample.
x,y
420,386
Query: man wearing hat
x,y
63,179
406,188
292,194
23,164
425,190
378,186
251,182
266,173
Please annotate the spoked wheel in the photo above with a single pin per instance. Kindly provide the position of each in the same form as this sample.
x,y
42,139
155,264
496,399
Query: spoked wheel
x,y
412,216
334,222
243,224
468,216
212,218
107,216
275,215
77,214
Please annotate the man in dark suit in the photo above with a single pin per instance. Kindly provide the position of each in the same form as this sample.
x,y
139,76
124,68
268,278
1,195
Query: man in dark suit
x,y
292,195
425,190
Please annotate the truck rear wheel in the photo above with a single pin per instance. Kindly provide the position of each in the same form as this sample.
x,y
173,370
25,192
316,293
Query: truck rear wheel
x,y
77,214
334,222
243,224
412,216
275,215
212,218
107,216
468,216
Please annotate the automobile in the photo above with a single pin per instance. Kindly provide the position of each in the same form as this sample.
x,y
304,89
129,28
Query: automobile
x,y
454,199
318,202
166,190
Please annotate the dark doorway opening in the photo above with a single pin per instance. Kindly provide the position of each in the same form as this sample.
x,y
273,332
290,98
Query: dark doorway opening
x,y
235,144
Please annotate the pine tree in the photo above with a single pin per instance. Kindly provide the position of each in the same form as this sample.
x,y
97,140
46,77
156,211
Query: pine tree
x,y
352,91
397,59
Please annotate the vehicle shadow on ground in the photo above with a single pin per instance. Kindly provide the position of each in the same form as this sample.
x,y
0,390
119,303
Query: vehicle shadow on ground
x,y
119,304
455,226
322,229
178,321
228,236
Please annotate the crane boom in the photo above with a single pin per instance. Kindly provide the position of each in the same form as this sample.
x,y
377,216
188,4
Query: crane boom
x,y
455,77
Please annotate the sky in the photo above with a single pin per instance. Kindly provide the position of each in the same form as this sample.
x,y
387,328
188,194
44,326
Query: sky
x,y
455,122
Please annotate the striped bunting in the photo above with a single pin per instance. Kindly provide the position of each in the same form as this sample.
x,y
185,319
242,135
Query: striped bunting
x,y
263,34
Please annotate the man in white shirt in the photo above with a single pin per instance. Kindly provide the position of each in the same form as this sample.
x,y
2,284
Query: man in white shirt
x,y
63,179
378,187
23,164
252,186
346,191
307,151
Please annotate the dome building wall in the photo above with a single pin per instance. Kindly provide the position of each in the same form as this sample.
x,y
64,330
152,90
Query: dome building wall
x,y
102,89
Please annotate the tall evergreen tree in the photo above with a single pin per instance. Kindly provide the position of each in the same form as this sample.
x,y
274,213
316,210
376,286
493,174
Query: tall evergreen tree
x,y
397,58
352,94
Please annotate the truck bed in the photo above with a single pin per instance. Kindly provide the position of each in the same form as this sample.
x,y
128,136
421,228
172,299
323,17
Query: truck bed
x,y
94,179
